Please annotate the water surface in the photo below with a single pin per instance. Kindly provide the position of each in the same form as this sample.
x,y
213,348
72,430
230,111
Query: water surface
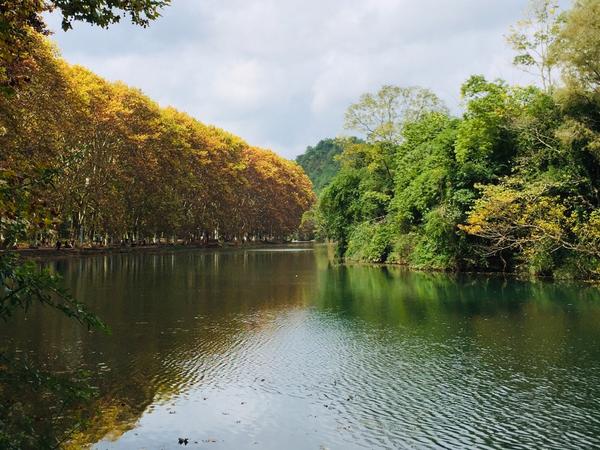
x,y
280,348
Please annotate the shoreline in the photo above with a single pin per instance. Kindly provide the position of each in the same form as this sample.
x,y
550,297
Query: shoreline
x,y
53,253
512,275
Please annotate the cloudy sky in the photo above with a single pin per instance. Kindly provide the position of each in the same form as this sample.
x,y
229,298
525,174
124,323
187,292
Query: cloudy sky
x,y
280,73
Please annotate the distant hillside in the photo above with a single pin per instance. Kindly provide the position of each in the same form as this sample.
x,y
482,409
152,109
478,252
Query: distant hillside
x,y
319,162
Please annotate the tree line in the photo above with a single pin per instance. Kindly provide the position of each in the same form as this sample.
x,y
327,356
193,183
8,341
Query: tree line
x,y
511,185
121,168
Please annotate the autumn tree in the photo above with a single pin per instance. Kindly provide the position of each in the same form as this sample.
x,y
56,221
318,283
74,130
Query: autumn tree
x,y
129,170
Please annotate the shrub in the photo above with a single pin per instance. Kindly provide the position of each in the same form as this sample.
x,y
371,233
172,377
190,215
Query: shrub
x,y
369,242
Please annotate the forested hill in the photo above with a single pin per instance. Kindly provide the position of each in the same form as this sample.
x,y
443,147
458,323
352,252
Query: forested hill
x,y
319,162
90,160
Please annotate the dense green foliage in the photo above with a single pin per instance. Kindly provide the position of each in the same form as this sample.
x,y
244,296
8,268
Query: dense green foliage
x,y
512,185
320,163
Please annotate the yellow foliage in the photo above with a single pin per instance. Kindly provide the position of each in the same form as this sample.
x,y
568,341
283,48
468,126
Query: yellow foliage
x,y
127,166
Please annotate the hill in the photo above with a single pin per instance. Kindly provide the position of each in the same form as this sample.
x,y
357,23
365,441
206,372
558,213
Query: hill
x,y
319,162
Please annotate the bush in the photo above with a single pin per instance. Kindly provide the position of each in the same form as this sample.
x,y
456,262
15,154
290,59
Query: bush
x,y
438,246
403,246
576,267
369,242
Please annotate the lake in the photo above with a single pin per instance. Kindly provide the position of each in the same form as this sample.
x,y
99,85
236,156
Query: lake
x,y
281,348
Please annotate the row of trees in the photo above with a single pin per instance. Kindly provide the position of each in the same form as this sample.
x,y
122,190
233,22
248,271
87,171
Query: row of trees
x,y
121,167
511,185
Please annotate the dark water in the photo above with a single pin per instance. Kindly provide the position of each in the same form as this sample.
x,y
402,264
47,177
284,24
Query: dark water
x,y
280,349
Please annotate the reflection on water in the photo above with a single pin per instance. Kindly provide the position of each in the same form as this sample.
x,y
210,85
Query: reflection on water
x,y
282,349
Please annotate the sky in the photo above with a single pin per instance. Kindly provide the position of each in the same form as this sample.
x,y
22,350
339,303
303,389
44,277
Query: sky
x,y
281,73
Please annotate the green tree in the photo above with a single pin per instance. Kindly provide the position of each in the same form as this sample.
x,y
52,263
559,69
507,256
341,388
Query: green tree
x,y
380,117
533,37
514,184
339,207
577,48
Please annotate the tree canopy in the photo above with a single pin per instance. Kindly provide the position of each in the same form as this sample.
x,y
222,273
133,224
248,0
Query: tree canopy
x,y
382,115
130,170
512,185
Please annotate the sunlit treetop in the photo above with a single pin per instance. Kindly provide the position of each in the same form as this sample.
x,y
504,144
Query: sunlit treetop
x,y
20,13
381,116
106,12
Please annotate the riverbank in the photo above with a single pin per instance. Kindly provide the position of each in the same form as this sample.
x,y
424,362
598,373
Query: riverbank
x,y
54,253
523,276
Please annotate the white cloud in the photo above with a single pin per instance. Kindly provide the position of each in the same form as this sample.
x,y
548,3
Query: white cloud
x,y
281,73
241,84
